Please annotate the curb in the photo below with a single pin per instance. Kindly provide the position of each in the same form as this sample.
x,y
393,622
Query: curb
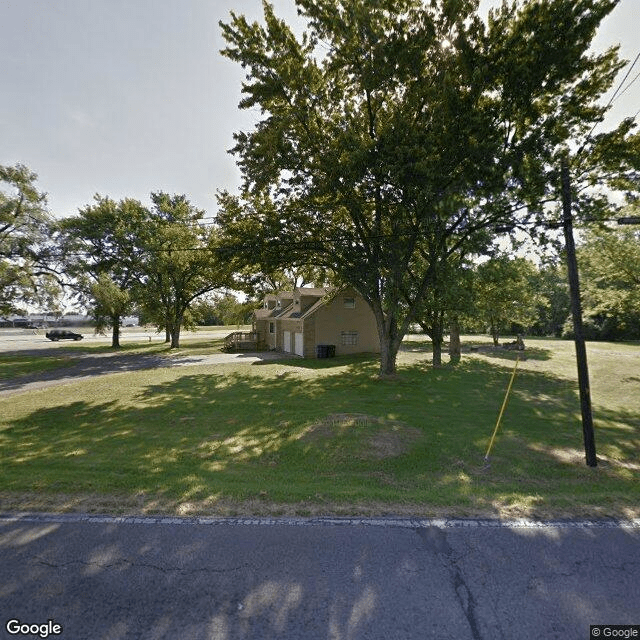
x,y
406,523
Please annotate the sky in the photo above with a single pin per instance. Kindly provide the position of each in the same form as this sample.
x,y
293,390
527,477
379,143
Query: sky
x,y
128,97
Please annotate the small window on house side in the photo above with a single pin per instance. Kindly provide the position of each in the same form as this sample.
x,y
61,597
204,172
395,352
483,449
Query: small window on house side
x,y
272,327
349,303
349,337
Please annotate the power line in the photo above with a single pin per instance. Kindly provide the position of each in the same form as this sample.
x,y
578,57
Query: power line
x,y
629,85
615,93
327,240
613,97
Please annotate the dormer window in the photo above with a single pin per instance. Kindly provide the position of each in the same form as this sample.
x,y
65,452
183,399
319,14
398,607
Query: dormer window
x,y
349,303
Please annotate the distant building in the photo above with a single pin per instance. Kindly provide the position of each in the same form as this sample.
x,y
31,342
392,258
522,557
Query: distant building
x,y
44,320
19,322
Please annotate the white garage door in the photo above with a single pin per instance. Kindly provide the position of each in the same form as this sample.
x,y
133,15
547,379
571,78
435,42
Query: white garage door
x,y
299,345
286,347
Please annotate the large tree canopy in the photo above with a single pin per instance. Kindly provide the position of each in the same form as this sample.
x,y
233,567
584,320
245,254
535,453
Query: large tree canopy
x,y
504,295
610,265
24,231
182,262
394,132
118,255
101,253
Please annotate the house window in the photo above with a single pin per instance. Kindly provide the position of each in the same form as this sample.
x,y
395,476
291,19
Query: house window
x,y
272,327
349,337
349,303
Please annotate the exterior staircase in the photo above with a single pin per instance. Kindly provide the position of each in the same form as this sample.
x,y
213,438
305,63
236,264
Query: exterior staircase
x,y
242,341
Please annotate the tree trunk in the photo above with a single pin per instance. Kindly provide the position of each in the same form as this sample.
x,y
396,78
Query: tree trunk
x,y
436,358
494,334
167,333
436,339
175,336
115,335
175,332
389,342
388,355
454,340
435,331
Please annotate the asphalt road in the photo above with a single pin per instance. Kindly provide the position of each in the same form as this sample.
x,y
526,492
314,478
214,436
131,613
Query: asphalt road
x,y
316,579
16,340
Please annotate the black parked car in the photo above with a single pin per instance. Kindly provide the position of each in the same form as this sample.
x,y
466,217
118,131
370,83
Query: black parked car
x,y
62,334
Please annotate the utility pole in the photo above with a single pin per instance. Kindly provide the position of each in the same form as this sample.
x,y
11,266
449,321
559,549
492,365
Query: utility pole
x,y
576,309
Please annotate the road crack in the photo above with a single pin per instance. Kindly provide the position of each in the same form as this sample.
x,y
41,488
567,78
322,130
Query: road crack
x,y
435,540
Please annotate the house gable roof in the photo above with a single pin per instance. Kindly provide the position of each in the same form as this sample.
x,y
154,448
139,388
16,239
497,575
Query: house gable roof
x,y
311,291
324,295
314,307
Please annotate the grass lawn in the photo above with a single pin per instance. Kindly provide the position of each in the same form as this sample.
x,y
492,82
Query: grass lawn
x,y
327,436
13,366
188,346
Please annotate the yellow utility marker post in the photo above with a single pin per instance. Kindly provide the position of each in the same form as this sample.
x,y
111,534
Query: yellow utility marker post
x,y
504,405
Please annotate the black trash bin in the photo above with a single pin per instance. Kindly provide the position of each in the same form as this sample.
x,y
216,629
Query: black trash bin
x,y
322,351
331,350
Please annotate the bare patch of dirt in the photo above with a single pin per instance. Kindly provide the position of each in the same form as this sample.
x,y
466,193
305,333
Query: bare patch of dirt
x,y
380,438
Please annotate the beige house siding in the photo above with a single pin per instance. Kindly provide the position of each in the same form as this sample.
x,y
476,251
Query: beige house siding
x,y
343,319
334,318
310,337
270,338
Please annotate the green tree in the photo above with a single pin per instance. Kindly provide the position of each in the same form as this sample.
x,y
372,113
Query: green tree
x,y
232,311
182,262
394,131
504,295
25,223
449,299
551,283
609,260
206,313
101,251
111,303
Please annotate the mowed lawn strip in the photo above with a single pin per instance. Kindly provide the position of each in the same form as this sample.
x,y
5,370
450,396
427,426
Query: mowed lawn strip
x,y
327,436
15,365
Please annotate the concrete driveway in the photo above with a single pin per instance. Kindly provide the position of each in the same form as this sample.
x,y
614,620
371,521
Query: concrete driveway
x,y
313,579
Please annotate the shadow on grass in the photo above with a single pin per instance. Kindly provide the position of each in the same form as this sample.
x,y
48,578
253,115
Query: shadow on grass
x,y
361,363
187,345
17,365
499,353
483,348
87,366
244,435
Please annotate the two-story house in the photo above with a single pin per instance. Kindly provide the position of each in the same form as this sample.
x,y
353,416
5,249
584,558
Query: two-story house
x,y
299,321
